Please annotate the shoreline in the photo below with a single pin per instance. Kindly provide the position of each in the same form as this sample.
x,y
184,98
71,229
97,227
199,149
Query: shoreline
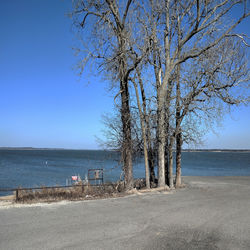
x,y
188,182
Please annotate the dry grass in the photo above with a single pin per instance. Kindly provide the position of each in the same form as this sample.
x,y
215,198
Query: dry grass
x,y
78,192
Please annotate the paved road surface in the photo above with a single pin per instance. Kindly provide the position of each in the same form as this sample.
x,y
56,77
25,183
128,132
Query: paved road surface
x,y
211,213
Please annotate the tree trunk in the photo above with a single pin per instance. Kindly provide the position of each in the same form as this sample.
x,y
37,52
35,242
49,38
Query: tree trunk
x,y
178,130
127,141
178,111
178,159
170,167
144,136
167,143
166,163
125,111
150,154
161,141
151,166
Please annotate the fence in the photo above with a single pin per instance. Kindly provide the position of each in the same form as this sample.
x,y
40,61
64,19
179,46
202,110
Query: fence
x,y
95,175
17,190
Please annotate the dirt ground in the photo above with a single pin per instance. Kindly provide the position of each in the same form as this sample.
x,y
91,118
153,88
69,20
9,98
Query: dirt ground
x,y
210,213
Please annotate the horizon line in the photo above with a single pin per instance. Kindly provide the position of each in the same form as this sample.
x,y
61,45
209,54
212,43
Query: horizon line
x,y
184,149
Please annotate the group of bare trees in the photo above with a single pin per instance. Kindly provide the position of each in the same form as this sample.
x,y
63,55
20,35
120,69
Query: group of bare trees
x,y
176,65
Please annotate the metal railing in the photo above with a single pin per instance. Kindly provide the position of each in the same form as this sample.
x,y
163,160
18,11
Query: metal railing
x,y
17,190
93,175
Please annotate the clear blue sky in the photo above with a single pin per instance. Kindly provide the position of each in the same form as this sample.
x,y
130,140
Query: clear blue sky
x,y
43,103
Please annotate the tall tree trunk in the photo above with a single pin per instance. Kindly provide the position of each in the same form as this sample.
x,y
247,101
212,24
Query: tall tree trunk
x,y
178,111
143,135
147,129
151,166
178,159
170,167
167,162
127,140
125,108
160,108
162,100
178,130
126,119
161,139
167,137
167,115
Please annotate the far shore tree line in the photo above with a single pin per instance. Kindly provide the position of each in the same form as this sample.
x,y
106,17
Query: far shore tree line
x,y
176,67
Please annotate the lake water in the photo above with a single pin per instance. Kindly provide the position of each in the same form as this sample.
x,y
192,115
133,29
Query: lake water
x,y
32,168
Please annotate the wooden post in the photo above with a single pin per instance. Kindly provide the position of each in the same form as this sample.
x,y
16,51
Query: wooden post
x,y
16,194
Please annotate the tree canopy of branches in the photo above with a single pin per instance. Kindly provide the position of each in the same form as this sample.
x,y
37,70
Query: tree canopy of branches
x,y
179,60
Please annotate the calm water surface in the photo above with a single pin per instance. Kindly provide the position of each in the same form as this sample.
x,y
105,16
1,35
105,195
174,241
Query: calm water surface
x,y
31,168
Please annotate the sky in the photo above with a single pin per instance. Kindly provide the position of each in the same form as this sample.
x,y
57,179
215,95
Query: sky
x,y
43,101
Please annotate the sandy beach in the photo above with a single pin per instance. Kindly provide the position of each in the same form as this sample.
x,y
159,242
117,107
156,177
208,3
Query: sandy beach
x,y
210,213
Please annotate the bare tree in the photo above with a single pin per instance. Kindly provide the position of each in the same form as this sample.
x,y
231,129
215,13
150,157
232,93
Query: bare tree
x,y
109,22
143,128
183,45
201,27
217,78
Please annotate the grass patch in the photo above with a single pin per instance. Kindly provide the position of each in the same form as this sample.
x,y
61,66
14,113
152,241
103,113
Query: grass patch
x,y
77,192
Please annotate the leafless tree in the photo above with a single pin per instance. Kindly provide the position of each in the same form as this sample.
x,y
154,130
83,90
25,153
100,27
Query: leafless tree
x,y
202,26
109,22
217,78
185,45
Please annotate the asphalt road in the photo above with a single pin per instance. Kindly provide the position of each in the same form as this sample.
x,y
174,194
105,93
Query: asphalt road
x,y
211,213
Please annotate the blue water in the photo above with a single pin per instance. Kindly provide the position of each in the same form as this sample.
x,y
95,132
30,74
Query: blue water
x,y
32,168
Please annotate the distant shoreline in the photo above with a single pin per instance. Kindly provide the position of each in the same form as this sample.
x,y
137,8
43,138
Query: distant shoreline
x,y
184,150
216,150
31,148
